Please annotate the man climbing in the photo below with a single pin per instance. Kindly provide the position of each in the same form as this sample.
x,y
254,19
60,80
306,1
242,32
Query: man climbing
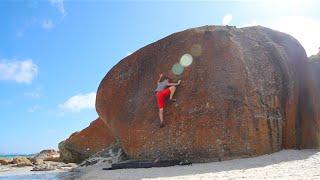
x,y
164,90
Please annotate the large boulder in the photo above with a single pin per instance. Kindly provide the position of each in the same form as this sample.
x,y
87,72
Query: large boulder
x,y
83,144
247,93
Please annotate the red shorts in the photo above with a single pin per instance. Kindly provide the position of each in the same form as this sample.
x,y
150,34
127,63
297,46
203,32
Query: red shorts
x,y
161,97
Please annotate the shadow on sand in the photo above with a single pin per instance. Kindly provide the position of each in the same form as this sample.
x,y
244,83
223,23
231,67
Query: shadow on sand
x,y
202,168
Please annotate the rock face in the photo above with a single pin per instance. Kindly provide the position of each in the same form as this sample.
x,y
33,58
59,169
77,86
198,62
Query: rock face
x,y
81,145
247,92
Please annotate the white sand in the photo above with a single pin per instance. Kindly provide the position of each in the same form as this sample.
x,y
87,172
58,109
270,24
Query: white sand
x,y
287,164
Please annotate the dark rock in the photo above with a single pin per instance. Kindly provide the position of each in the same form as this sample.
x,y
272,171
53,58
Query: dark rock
x,y
146,164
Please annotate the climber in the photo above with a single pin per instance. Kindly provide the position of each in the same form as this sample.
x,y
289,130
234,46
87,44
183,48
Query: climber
x,y
164,90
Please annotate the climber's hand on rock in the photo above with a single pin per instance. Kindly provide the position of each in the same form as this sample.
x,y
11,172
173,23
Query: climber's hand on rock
x,y
179,82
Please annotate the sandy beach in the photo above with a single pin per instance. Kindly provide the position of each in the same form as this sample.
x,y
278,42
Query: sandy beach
x,y
293,164
286,164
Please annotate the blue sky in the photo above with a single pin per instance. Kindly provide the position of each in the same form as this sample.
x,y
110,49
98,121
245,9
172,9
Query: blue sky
x,y
53,54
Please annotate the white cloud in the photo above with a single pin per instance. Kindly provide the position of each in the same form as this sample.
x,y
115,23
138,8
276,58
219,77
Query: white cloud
x,y
19,71
227,19
60,6
79,102
47,24
34,108
306,30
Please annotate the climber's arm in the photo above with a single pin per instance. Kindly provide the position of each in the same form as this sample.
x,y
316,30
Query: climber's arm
x,y
160,76
174,84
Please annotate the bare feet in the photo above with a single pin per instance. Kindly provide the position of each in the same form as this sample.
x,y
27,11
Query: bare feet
x,y
156,160
172,100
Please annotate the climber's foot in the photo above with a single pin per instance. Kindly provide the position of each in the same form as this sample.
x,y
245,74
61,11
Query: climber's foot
x,y
156,160
161,125
179,82
172,100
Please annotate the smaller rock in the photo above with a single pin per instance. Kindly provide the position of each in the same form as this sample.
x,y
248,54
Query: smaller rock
x,y
50,166
37,161
44,167
104,158
67,166
48,155
21,161
4,161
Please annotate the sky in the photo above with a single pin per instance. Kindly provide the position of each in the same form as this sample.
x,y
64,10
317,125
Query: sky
x,y
54,53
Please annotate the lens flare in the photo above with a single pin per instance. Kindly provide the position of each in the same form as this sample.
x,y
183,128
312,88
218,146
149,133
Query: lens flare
x,y
196,50
186,60
177,69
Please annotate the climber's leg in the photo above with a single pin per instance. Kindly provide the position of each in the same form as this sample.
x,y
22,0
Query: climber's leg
x,y
172,91
161,117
